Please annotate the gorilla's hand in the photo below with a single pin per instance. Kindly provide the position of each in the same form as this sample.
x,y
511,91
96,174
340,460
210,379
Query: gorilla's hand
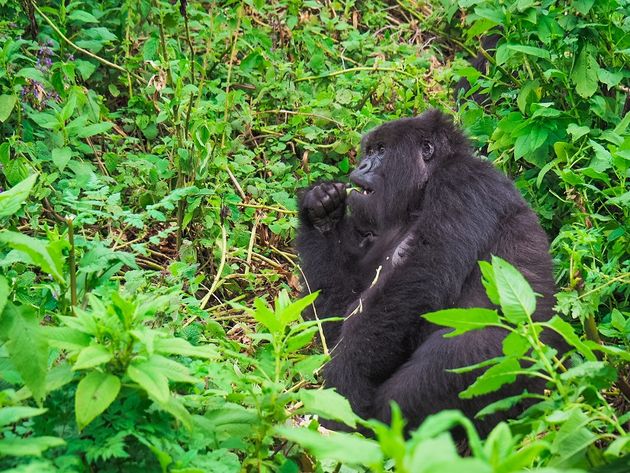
x,y
325,204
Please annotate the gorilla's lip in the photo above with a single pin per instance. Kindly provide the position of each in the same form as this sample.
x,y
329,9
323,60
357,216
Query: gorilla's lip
x,y
363,188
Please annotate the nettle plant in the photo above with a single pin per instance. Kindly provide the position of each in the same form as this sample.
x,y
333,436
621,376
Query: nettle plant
x,y
566,427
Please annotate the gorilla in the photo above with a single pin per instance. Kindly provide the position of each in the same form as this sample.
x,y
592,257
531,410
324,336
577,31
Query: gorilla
x,y
406,243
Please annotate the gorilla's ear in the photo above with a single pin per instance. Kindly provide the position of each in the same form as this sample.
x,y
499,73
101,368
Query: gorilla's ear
x,y
442,131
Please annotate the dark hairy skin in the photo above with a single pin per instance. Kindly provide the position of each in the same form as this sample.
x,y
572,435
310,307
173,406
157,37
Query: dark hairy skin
x,y
409,243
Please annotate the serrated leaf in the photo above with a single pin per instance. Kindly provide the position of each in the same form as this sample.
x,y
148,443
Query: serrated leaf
x,y
94,394
171,369
12,199
151,379
491,380
92,356
516,297
328,404
463,320
566,330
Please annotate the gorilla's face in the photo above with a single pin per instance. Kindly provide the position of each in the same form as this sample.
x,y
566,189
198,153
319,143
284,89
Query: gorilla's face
x,y
397,160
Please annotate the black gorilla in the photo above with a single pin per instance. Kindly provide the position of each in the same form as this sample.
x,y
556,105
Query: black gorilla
x,y
408,243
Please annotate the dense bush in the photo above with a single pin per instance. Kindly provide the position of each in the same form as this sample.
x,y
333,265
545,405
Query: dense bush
x,y
149,156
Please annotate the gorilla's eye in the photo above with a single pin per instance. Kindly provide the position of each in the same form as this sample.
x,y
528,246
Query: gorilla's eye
x,y
369,150
381,149
426,150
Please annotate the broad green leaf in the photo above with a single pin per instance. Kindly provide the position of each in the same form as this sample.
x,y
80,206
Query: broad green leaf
x,y
92,356
463,320
57,377
171,369
301,339
515,344
340,447
94,129
7,103
83,16
31,363
584,74
67,338
576,131
499,406
517,299
445,421
5,291
266,316
491,380
9,415
488,282
529,50
47,257
181,346
94,394
292,311
61,156
566,330
499,443
12,200
572,439
151,379
523,459
328,404
598,373
31,446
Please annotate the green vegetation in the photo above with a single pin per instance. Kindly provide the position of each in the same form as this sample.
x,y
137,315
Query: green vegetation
x,y
150,154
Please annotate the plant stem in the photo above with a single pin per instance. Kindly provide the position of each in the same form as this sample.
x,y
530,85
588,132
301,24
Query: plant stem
x,y
72,263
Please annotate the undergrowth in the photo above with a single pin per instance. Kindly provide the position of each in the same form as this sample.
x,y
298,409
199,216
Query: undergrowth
x,y
150,154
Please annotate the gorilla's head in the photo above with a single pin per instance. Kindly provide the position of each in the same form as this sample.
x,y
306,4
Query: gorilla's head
x,y
397,160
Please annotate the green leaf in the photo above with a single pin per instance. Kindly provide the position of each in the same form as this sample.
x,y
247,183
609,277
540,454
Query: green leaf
x,y
32,363
292,311
151,379
5,291
32,446
463,320
41,253
515,345
94,129
9,415
171,369
7,102
576,131
61,156
12,200
94,394
180,346
67,338
328,404
516,297
340,447
491,380
572,439
566,330
599,374
529,50
82,16
92,356
584,74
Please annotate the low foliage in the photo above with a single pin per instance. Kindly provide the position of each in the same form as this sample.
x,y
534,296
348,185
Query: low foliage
x,y
149,155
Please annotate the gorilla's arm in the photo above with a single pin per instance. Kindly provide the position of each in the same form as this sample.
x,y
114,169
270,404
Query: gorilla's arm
x,y
456,225
327,243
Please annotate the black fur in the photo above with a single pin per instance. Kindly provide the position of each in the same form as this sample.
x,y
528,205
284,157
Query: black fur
x,y
411,247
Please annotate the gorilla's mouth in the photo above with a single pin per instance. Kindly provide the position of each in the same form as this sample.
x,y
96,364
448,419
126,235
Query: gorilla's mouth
x,y
360,187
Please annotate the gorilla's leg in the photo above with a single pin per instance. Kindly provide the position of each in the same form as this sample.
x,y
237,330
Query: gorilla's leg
x,y
422,386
